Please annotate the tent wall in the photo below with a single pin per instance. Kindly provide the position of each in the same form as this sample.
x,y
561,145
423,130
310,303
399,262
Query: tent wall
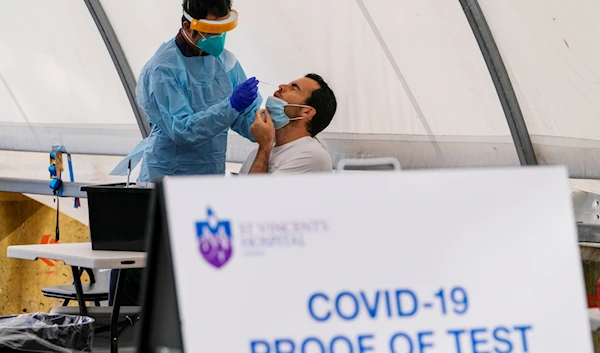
x,y
396,97
58,84
410,78
551,51
121,64
409,75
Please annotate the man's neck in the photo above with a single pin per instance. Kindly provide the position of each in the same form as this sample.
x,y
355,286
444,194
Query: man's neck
x,y
289,134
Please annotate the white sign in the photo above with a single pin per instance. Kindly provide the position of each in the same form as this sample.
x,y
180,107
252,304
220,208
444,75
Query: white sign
x,y
475,261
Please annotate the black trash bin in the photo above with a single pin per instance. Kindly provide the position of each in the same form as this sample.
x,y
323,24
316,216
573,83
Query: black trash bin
x,y
118,216
46,333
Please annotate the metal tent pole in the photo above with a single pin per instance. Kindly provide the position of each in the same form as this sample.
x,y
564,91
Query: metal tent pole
x,y
119,59
504,87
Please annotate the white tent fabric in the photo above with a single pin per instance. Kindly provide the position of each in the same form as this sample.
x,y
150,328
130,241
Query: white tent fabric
x,y
551,51
410,79
58,84
404,88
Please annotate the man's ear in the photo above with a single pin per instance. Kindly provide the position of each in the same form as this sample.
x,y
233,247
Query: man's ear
x,y
190,32
310,113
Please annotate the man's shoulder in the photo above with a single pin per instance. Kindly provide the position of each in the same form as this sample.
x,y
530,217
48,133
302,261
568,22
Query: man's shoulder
x,y
164,60
228,59
310,153
226,54
313,147
319,153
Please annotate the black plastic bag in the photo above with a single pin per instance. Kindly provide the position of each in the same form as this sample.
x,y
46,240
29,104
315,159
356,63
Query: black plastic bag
x,y
44,333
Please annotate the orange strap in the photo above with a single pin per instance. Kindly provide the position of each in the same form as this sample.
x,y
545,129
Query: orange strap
x,y
209,26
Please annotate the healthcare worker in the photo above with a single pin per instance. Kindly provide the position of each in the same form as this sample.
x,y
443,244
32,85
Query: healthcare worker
x,y
193,91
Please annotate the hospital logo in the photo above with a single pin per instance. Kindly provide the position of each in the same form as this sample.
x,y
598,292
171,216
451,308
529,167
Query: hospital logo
x,y
214,239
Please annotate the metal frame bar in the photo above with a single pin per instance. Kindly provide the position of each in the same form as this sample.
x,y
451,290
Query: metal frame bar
x,y
119,59
79,290
588,233
504,87
114,317
40,187
586,206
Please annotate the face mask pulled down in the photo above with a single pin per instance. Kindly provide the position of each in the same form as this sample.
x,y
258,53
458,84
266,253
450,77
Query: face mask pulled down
x,y
276,107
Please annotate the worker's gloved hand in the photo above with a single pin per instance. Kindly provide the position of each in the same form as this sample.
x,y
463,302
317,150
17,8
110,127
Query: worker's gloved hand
x,y
244,95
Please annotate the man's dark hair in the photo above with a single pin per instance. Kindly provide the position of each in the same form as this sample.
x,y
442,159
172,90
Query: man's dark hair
x,y
323,100
200,9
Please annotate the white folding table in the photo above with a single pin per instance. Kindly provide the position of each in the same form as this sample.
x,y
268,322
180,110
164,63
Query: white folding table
x,y
79,255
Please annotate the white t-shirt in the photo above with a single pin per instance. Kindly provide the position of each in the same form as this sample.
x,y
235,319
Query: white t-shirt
x,y
305,155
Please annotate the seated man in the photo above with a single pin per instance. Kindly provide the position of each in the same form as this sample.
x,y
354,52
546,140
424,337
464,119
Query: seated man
x,y
286,130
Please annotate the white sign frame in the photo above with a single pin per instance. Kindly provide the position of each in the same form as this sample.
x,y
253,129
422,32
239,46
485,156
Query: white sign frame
x,y
503,238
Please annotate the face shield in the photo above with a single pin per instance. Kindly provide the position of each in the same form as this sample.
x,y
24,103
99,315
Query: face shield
x,y
213,32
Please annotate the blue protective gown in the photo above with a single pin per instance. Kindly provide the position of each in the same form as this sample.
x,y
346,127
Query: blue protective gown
x,y
187,101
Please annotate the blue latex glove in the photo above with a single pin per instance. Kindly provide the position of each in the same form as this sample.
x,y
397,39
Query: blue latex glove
x,y
244,95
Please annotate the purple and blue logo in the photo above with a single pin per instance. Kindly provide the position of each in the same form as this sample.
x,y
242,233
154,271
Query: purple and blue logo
x,y
214,238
